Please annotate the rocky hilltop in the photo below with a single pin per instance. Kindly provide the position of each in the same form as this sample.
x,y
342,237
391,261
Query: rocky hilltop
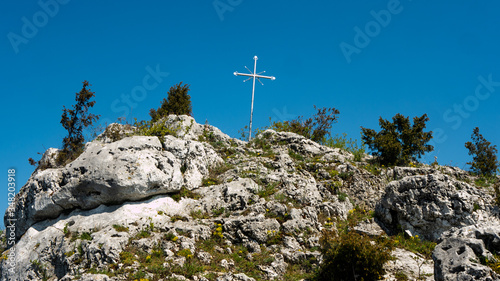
x,y
199,205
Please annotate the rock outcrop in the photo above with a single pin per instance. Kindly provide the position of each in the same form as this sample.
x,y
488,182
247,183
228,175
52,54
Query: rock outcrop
x,y
131,169
428,205
463,254
199,205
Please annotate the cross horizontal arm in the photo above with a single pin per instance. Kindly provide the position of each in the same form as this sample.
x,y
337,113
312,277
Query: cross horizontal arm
x,y
254,75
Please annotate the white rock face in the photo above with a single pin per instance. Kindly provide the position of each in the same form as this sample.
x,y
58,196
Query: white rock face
x,y
195,158
412,265
131,169
432,204
460,253
45,241
119,205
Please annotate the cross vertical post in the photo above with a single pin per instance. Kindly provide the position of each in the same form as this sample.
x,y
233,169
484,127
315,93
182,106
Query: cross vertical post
x,y
253,76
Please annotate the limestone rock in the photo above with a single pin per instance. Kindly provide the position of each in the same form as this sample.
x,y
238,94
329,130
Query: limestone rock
x,y
461,252
94,277
457,259
429,205
49,158
370,228
46,243
131,169
195,159
113,210
414,266
235,277
235,195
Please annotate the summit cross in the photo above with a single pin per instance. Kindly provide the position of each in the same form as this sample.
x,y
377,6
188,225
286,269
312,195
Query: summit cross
x,y
253,75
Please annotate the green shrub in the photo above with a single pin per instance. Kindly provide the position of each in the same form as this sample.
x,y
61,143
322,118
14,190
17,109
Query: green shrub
x,y
139,275
85,236
190,268
342,196
66,231
493,264
120,228
268,190
219,211
485,180
75,121
274,237
175,218
115,132
295,156
186,193
349,255
127,258
374,169
244,132
414,244
314,128
484,161
185,253
156,129
496,187
341,141
209,182
263,142
178,102
40,269
214,173
401,276
347,176
398,142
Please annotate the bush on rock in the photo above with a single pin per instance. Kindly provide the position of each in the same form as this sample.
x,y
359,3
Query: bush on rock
x,y
398,142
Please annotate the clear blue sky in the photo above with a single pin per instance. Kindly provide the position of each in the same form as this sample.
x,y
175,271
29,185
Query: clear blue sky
x,y
365,58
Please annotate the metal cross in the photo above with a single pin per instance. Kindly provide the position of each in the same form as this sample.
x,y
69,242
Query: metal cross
x,y
253,76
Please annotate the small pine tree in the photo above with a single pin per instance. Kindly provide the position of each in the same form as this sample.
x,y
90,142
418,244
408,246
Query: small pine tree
x,y
75,121
484,161
178,102
398,142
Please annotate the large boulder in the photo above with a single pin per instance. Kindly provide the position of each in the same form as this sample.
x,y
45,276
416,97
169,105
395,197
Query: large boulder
x,y
462,253
130,169
428,205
